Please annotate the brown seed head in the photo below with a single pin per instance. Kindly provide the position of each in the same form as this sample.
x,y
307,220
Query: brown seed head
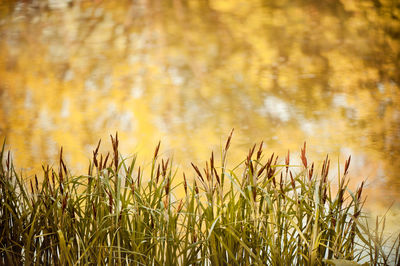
x,y
229,140
157,149
36,183
115,149
311,171
346,166
287,161
167,186
158,173
166,201
94,210
212,161
198,172
292,180
138,177
217,176
259,152
251,152
180,206
207,172
261,170
184,183
251,168
303,155
32,187
64,203
196,188
105,160
97,148
110,200
8,161
359,191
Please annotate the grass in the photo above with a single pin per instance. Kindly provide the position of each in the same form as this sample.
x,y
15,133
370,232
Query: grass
x,y
260,212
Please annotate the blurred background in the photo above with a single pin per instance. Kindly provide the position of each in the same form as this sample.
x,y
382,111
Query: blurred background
x,y
187,72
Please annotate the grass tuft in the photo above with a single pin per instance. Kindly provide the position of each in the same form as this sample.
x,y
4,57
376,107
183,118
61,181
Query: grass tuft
x,y
259,212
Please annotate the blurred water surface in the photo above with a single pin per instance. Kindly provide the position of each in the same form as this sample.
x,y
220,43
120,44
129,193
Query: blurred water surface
x,y
186,72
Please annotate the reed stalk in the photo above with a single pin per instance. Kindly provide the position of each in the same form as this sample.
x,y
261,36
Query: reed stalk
x,y
259,212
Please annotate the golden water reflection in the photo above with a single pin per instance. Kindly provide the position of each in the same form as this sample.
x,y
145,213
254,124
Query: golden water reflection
x,y
186,72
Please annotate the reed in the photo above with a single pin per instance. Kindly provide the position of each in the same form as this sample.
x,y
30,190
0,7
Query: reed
x,y
259,212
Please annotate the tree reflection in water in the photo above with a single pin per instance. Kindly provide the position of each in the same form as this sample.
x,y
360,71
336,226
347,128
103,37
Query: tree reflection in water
x,y
187,72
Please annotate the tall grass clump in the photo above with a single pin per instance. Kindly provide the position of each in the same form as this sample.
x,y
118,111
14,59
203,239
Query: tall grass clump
x,y
262,211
